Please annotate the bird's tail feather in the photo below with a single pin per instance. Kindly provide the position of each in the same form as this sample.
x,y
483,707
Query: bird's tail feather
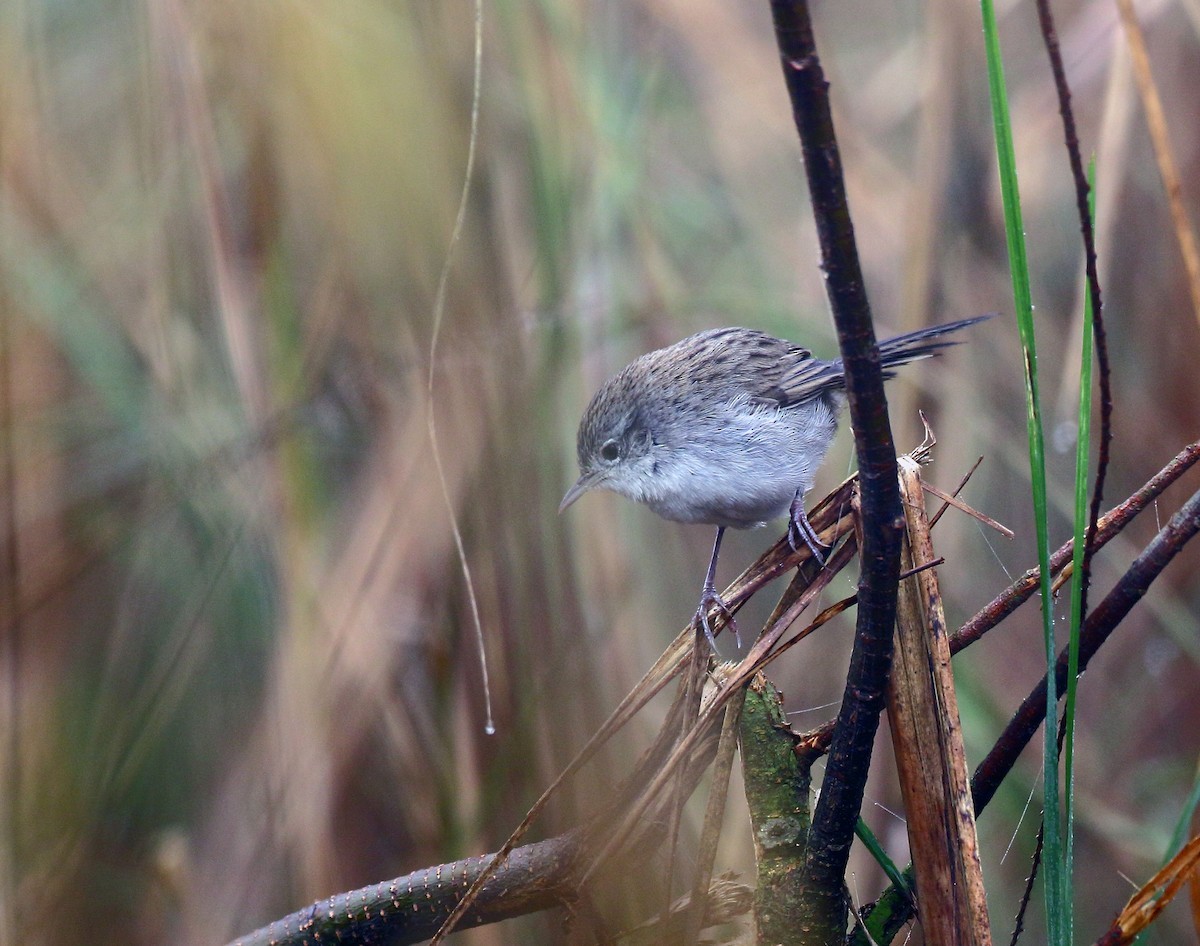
x,y
923,343
815,378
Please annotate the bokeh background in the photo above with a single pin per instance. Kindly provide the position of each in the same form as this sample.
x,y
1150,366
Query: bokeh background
x,y
238,670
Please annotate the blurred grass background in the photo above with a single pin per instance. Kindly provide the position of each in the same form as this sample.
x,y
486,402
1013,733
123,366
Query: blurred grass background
x,y
237,662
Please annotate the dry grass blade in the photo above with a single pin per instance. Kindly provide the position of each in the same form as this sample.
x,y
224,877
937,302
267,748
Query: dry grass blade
x,y
962,483
952,500
1156,121
680,755
233,306
1145,905
714,816
729,683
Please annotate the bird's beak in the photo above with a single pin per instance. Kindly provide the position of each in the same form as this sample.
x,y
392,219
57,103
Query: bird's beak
x,y
582,485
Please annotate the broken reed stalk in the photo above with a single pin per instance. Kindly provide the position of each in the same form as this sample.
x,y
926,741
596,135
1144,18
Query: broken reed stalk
x,y
930,757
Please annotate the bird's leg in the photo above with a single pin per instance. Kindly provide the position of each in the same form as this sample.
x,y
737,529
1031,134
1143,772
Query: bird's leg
x,y
709,596
800,528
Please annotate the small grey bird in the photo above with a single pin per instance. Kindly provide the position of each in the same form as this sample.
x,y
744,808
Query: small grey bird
x,y
728,428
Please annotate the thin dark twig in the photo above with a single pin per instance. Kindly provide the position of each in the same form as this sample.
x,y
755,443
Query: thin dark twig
x,y
882,517
1027,893
1110,525
1082,189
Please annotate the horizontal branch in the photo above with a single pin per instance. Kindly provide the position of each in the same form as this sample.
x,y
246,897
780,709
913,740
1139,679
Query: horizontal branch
x,y
410,909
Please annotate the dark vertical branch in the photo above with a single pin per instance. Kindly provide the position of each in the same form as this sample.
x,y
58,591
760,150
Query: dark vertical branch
x,y
850,752
1082,188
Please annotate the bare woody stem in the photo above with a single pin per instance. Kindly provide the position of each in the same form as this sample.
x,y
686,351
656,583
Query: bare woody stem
x,y
882,519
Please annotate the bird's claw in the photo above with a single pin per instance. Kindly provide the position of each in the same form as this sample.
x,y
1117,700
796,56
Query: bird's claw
x,y
801,530
708,598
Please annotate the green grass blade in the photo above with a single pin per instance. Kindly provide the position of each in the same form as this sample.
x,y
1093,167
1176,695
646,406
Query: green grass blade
x,y
1183,826
1057,912
875,849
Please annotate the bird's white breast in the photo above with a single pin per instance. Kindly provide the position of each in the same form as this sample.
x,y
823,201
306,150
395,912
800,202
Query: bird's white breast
x,y
742,463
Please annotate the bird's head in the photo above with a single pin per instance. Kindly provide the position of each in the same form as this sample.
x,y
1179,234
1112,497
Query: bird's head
x,y
615,445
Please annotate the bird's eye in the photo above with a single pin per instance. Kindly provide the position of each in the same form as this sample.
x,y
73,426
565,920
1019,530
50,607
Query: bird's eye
x,y
610,451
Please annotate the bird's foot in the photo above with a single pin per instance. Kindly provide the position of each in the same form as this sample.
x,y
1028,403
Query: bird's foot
x,y
801,530
708,599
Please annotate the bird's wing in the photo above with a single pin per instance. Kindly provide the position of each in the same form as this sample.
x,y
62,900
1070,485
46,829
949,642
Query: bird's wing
x,y
812,377
806,379
760,362
754,361
753,365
